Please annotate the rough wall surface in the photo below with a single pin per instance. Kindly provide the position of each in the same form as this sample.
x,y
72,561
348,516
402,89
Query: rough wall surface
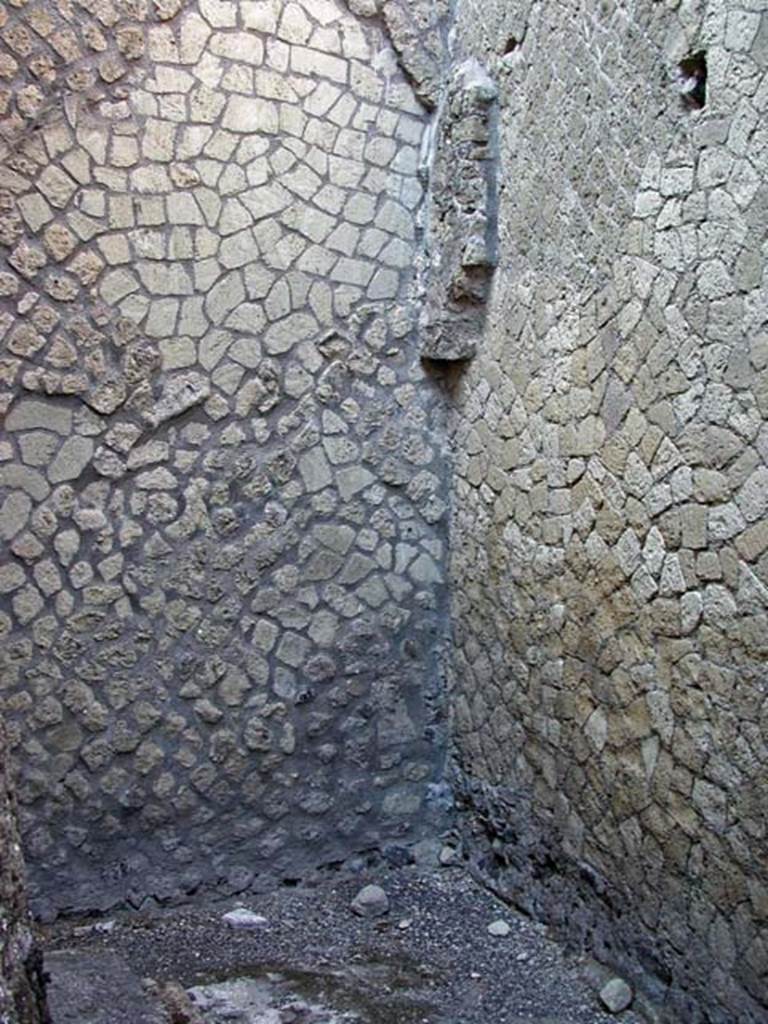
x,y
20,984
609,547
221,489
224,489
461,230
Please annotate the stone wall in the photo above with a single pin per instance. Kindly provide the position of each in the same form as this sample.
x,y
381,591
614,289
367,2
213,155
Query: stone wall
x,y
609,556
221,464
20,981
224,471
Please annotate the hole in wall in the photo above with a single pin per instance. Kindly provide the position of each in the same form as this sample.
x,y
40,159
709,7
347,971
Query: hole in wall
x,y
693,80
510,46
447,374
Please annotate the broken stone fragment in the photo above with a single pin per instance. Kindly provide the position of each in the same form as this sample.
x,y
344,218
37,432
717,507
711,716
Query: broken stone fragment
x,y
371,901
241,918
446,346
616,995
180,393
449,856
475,81
477,253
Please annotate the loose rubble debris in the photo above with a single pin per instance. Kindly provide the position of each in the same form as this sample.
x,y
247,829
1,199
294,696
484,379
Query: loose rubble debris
x,y
431,959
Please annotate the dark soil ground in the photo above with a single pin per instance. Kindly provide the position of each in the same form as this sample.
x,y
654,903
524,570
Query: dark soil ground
x,y
429,960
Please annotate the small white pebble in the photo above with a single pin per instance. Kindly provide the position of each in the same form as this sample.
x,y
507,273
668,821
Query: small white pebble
x,y
499,928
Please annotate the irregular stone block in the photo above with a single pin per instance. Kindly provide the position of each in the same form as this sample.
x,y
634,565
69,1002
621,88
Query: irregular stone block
x,y
71,460
180,393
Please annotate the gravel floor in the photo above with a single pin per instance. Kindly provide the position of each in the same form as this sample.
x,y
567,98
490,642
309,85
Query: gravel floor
x,y
429,960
